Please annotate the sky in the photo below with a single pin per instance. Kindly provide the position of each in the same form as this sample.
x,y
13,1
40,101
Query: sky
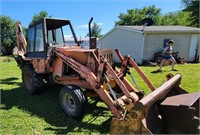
x,y
79,12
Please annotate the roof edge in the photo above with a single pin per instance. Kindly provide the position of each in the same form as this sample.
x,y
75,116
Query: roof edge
x,y
134,30
120,27
107,33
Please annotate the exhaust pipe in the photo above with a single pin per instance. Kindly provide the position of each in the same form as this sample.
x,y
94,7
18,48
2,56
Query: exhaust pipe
x,y
92,40
89,26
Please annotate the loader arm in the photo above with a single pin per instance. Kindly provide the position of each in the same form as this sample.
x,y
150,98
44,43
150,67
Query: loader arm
x,y
117,104
128,60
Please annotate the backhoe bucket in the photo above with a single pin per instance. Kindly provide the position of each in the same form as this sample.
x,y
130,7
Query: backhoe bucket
x,y
21,40
168,109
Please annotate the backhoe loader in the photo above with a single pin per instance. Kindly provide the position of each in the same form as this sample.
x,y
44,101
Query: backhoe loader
x,y
82,73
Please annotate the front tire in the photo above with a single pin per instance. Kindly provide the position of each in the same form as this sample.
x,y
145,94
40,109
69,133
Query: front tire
x,y
32,81
73,101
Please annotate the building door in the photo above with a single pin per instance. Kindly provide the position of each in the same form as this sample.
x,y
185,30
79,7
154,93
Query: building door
x,y
165,42
193,47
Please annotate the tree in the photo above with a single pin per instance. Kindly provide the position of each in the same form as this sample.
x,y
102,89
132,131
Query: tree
x,y
39,16
176,18
135,16
8,37
192,6
95,31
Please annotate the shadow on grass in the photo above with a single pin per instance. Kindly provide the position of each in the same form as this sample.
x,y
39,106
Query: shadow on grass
x,y
158,71
47,106
9,81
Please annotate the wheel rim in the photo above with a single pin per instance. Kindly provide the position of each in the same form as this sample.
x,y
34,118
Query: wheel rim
x,y
69,102
28,80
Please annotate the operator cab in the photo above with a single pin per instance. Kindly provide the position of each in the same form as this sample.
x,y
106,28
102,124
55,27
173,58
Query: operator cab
x,y
47,33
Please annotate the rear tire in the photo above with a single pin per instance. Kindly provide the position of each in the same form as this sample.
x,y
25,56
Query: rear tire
x,y
73,101
32,81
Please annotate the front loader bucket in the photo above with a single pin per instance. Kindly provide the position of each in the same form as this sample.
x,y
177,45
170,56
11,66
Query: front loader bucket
x,y
158,112
180,114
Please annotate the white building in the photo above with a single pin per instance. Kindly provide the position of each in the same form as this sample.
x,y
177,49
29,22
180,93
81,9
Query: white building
x,y
142,44
85,42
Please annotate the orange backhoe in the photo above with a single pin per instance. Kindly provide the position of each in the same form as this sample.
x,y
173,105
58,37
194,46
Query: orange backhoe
x,y
92,72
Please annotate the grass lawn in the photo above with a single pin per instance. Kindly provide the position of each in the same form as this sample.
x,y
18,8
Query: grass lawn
x,y
24,114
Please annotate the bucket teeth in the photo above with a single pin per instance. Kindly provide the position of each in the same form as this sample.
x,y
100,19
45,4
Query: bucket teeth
x,y
195,118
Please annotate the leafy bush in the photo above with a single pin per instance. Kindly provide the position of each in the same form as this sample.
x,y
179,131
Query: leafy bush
x,y
8,38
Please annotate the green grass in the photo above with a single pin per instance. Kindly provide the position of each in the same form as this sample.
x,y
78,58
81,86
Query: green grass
x,y
24,114
190,80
